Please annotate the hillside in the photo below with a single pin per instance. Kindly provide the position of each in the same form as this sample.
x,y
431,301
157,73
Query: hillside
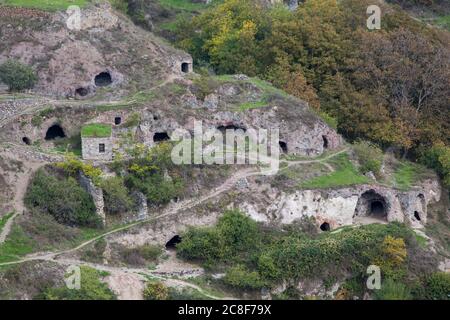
x,y
171,153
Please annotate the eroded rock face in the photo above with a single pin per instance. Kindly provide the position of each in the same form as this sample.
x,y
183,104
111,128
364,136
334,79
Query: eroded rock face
x,y
345,206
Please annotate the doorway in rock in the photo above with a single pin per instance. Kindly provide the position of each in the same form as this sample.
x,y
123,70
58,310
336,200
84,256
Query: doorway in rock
x,y
373,205
417,216
283,146
325,226
54,132
26,140
160,137
172,243
82,92
185,67
103,79
325,142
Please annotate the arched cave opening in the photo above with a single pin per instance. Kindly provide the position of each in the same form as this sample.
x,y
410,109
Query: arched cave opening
x,y
26,140
325,226
160,137
117,120
103,79
172,243
54,132
82,92
417,216
372,204
283,146
185,67
325,142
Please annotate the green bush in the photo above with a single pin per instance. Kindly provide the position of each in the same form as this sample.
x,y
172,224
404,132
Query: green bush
x,y
17,75
391,290
91,289
438,158
370,157
240,277
63,198
156,291
437,286
117,198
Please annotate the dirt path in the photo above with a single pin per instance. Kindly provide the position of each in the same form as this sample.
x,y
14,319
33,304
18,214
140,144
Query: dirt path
x,y
21,185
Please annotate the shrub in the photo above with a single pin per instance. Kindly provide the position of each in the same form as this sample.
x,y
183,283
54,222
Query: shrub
x,y
17,75
156,291
438,158
63,198
91,289
437,286
391,290
117,199
370,157
240,277
139,256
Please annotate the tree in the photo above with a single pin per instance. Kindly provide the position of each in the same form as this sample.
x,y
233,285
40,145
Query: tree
x,y
17,75
156,291
117,199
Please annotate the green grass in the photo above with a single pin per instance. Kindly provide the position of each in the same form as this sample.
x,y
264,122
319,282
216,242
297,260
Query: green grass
x,y
345,175
5,219
185,5
252,105
46,5
96,130
16,245
444,22
406,174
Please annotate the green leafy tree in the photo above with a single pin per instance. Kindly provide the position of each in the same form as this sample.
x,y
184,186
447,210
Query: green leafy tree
x,y
156,291
17,75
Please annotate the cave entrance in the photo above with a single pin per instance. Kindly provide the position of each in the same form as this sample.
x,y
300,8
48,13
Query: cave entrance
x,y
82,92
117,120
224,128
185,67
103,79
26,140
55,132
160,137
172,243
325,226
283,146
325,142
373,205
417,216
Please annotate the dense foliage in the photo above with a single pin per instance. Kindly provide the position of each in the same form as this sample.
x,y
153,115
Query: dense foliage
x,y
63,198
17,76
390,86
254,257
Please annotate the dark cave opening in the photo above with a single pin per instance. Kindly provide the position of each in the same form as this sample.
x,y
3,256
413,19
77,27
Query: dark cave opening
x,y
117,120
185,67
283,146
417,216
224,128
82,92
160,137
377,209
54,132
172,243
325,142
103,79
26,140
325,226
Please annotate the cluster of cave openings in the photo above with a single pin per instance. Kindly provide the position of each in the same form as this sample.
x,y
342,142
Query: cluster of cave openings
x,y
325,142
172,243
26,140
185,66
160,137
325,226
373,205
103,79
54,132
283,146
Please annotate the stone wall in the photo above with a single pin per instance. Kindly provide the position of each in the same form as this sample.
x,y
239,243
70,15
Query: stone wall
x,y
97,196
90,148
